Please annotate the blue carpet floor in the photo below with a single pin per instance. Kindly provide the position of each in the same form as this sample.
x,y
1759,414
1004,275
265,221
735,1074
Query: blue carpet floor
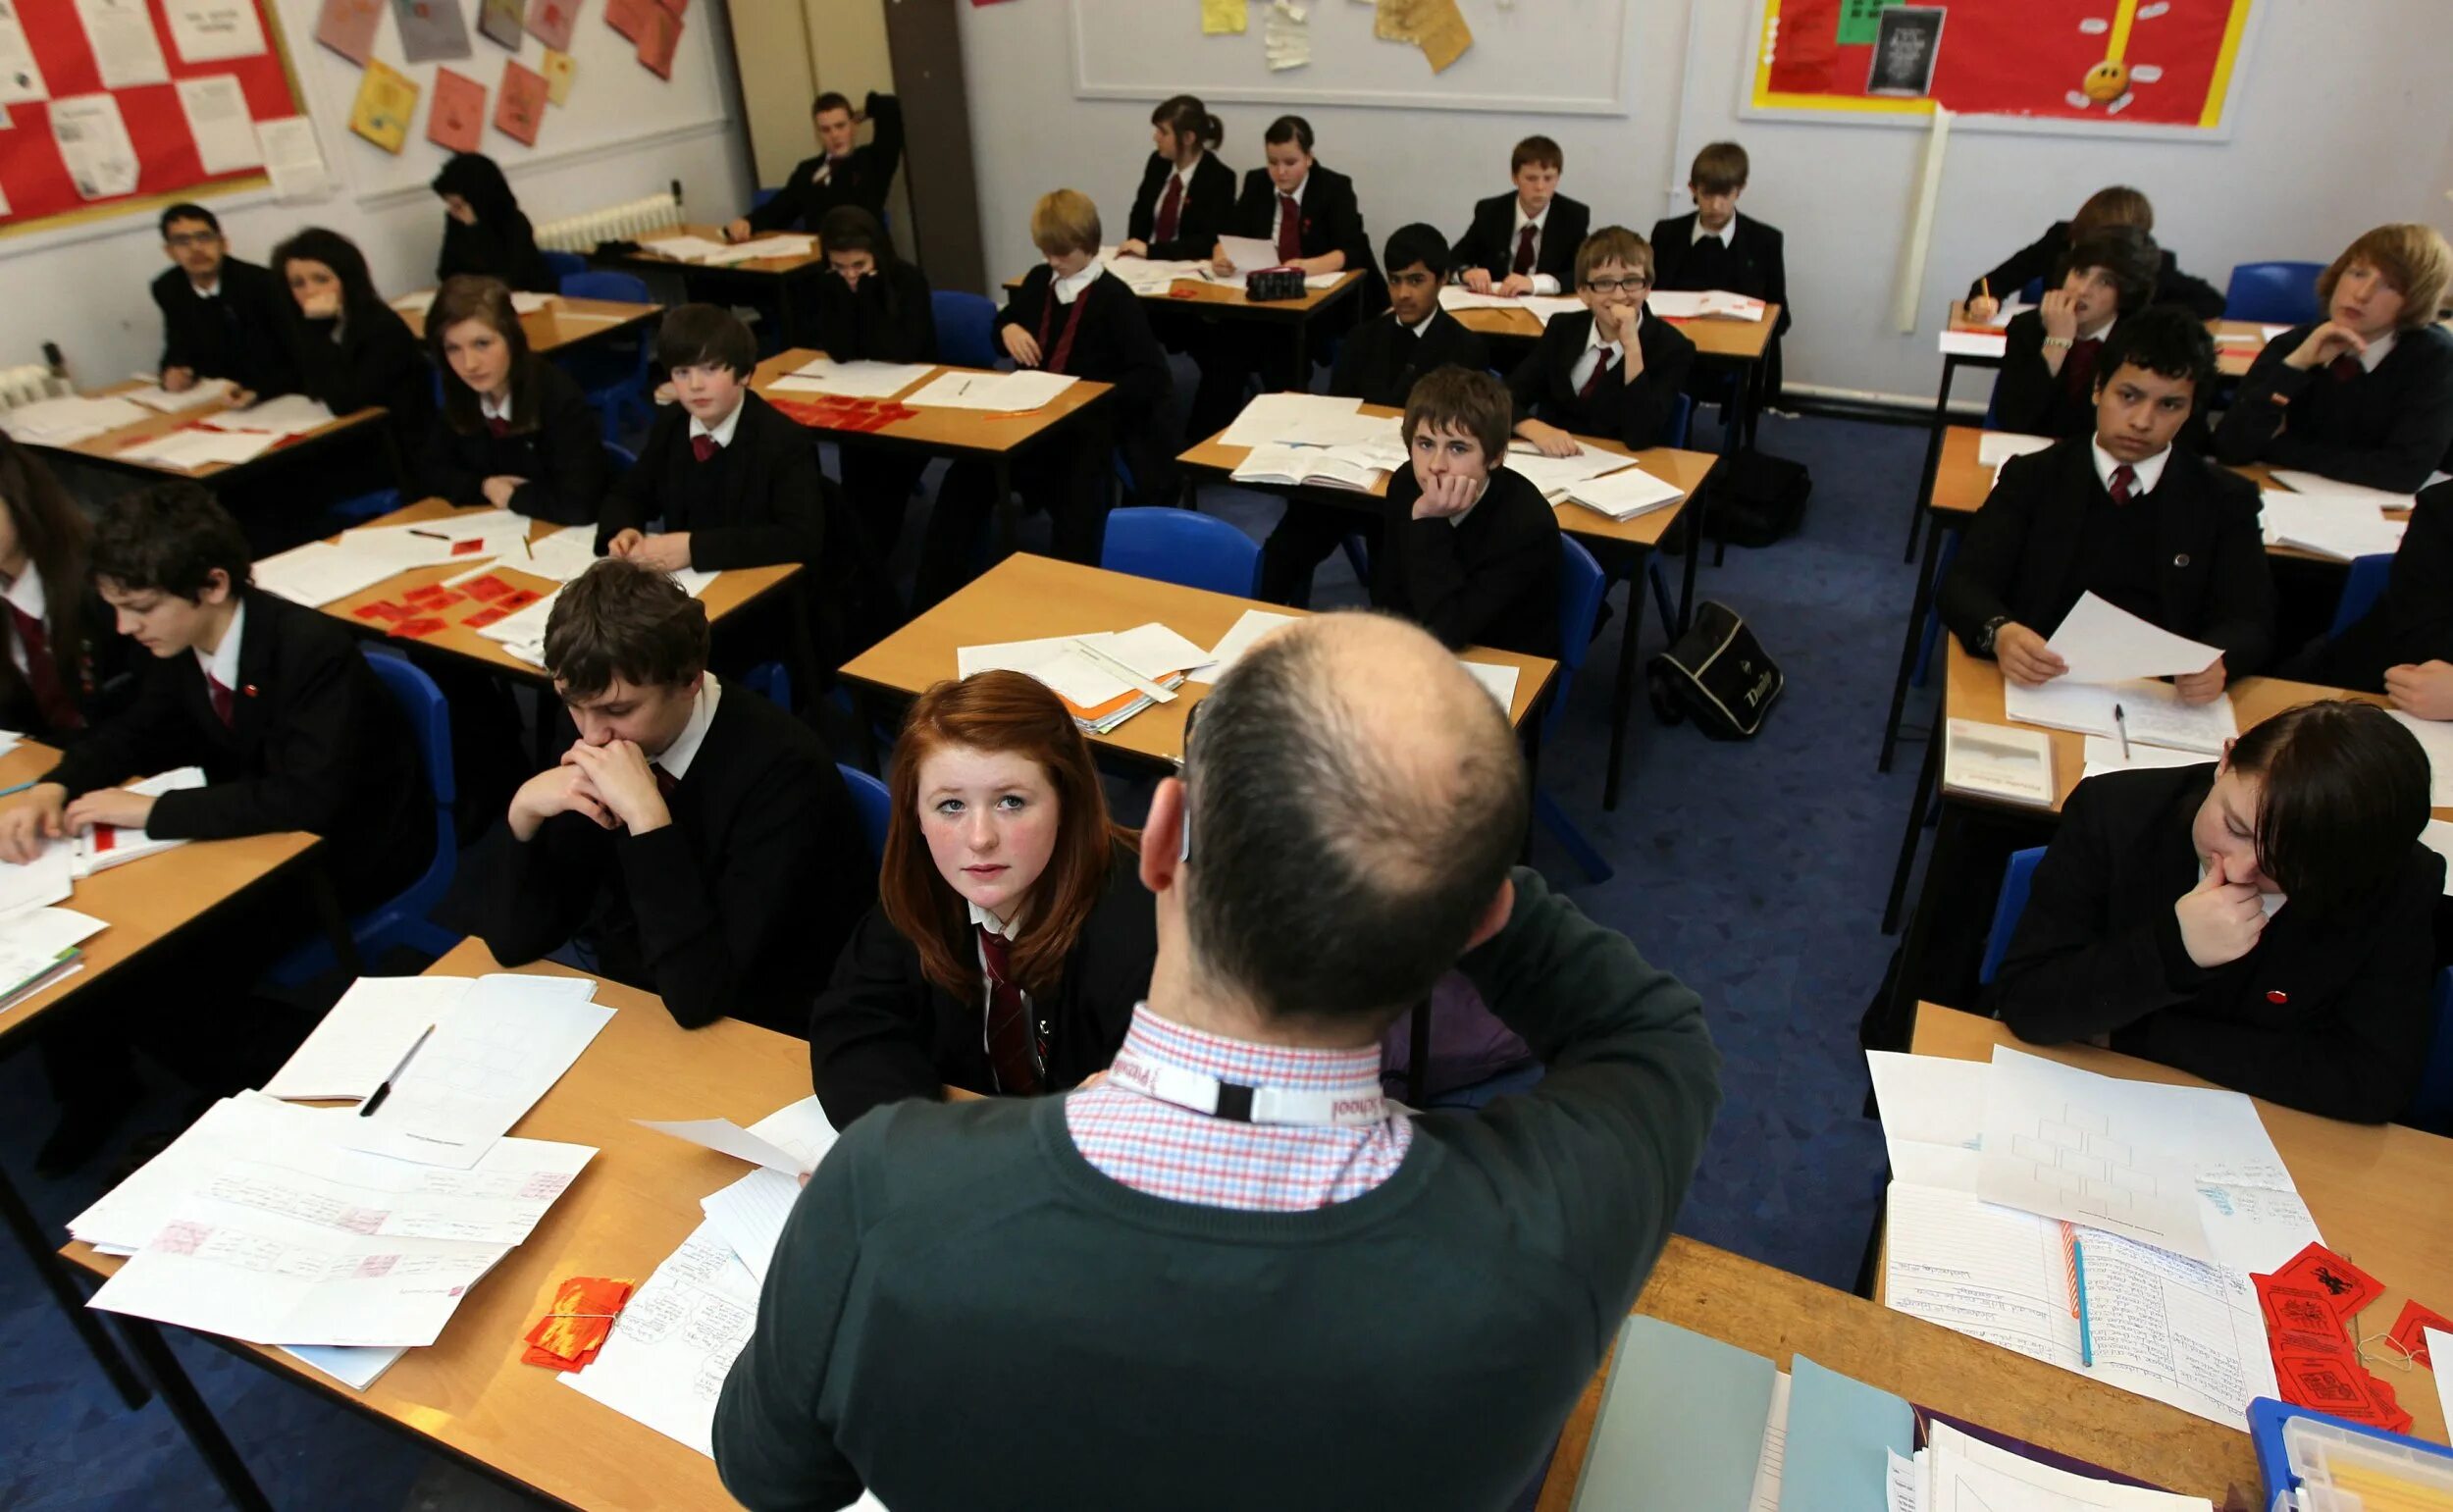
x,y
1755,871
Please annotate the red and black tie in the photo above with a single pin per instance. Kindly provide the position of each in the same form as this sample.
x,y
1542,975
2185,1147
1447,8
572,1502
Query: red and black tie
x,y
1289,228
1009,1021
42,673
1524,248
1171,208
2125,481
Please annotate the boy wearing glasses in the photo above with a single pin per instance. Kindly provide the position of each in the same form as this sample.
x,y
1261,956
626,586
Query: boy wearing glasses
x,y
1612,371
221,318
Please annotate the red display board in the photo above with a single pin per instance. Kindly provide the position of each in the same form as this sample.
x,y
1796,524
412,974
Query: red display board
x,y
2165,62
34,176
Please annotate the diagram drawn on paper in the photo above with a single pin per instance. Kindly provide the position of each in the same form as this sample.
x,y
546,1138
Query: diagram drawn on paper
x,y
2062,1143
2098,1174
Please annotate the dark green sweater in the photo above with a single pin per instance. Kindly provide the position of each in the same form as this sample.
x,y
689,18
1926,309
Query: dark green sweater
x,y
965,1312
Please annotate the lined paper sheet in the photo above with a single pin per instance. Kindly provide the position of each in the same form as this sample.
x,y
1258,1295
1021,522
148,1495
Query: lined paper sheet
x,y
749,1216
511,1039
665,1362
363,1037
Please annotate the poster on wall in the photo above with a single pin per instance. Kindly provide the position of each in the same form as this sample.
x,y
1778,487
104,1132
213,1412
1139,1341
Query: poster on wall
x,y
550,21
214,30
2159,63
93,141
216,108
348,27
21,76
387,99
457,118
126,51
560,71
430,29
498,21
520,105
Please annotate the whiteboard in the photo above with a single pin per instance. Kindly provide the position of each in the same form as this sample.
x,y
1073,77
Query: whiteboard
x,y
1554,57
614,101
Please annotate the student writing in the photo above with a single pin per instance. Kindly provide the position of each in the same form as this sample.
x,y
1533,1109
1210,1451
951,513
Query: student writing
x,y
2118,205
1012,936
516,432
1611,370
221,317
2262,922
1524,241
1186,193
2051,353
483,230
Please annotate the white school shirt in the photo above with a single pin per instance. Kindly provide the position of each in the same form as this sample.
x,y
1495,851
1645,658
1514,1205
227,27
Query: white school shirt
x,y
26,595
2148,473
487,406
1582,370
723,430
674,760
2377,348
223,665
1068,289
1543,283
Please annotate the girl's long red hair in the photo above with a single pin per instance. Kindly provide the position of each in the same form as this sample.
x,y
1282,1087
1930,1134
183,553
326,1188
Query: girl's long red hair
x,y
999,711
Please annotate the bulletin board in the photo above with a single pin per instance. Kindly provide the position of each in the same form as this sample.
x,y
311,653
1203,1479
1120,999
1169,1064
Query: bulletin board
x,y
152,150
2164,66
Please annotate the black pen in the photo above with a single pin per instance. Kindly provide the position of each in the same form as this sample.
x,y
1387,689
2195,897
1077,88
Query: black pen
x,y
2120,722
367,1108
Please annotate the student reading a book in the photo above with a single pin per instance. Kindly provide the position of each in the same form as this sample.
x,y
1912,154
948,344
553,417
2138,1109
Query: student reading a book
x,y
2051,353
844,173
695,841
2148,526
221,317
2403,645
1068,315
1524,242
1012,935
1469,548
1377,364
1715,245
65,669
1186,193
1229,1249
872,306
516,432
2365,396
275,702
350,347
2262,922
1613,370
2118,205
483,230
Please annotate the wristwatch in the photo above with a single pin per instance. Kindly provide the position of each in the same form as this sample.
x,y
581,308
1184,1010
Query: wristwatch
x,y
1984,636
2062,342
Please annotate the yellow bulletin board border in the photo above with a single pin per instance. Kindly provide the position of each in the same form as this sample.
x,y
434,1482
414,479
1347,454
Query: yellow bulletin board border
x,y
202,189
1762,101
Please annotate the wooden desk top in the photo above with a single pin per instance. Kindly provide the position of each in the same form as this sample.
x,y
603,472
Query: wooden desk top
x,y
144,900
975,431
816,257
1975,690
2232,358
1713,336
1222,298
1781,1315
1026,597
637,1200
1685,469
565,322
731,590
106,446
2365,1185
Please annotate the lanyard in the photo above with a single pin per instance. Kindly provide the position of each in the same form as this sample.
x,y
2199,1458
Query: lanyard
x,y
1206,1094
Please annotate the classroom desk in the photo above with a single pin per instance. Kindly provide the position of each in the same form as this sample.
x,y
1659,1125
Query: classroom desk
x,y
1202,297
1616,543
468,1396
988,436
1713,336
1780,1315
781,277
140,903
1960,484
2360,1182
103,450
563,326
1026,597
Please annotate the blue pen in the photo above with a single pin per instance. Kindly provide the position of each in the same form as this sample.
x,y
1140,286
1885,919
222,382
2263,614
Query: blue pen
x,y
19,788
2086,1339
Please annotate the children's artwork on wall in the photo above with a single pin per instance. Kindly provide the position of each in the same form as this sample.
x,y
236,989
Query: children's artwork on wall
x,y
457,118
520,107
430,29
550,21
560,71
498,21
387,100
348,27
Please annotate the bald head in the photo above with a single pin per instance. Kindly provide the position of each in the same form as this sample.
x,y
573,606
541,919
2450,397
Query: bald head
x,y
1355,800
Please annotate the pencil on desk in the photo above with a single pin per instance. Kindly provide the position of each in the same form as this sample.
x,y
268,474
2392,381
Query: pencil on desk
x,y
13,790
1984,287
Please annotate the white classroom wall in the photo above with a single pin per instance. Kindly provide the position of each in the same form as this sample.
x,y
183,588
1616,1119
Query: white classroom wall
x,y
84,287
2342,120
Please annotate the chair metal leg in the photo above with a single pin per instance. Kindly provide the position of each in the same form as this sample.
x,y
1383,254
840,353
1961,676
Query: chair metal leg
x,y
195,1419
32,1238
1925,779
1623,687
1922,601
1933,456
1553,818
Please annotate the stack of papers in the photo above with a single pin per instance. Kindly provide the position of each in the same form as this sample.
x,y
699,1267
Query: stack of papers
x,y
154,396
1274,464
40,945
322,572
718,255
1622,494
1456,296
2114,656
1554,475
1973,344
1688,304
2329,525
1996,448
522,633
1015,392
2101,643
1958,1472
1149,275
1310,420
289,414
69,419
852,380
1238,638
1104,678
784,1146
191,449
2105,754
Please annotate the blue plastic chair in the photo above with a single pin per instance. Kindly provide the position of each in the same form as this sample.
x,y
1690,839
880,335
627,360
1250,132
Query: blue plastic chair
x,y
2432,1108
2361,589
1582,587
966,327
760,197
2032,291
401,920
1931,637
2016,876
1182,546
2275,293
613,373
1681,424
563,264
771,681
876,806
621,457
366,506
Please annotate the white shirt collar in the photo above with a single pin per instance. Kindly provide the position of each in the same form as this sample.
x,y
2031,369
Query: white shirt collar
x,y
2148,473
1702,234
722,433
988,921
1537,221
1068,289
487,406
223,665
676,758
1295,194
26,594
1425,328
2103,335
1592,331
1185,172
2377,348
212,290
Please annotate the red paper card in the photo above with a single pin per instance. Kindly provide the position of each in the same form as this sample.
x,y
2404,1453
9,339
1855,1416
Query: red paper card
x,y
578,1323
457,118
487,589
425,597
348,27
2327,1382
422,626
550,21
627,16
2408,1331
2345,1286
517,598
382,611
520,106
659,38
484,617
475,547
2303,1310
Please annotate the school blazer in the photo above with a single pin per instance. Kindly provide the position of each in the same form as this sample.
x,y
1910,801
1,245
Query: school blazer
x,y
2038,258
559,450
2411,622
1331,220
1491,578
504,248
1635,415
1489,240
2019,556
102,682
888,318
2329,1014
1754,262
2383,430
314,743
883,1031
1380,359
236,334
374,361
1208,200
2029,398
860,179
754,504
737,907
